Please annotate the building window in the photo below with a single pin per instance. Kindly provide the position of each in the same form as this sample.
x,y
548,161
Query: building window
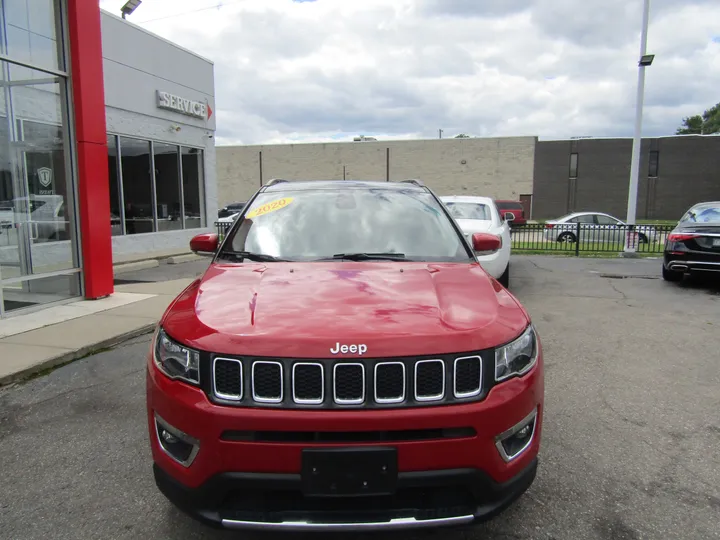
x,y
115,195
193,181
654,163
31,36
137,189
157,187
167,186
573,165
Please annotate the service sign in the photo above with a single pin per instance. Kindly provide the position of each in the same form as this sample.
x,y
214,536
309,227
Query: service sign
x,y
198,109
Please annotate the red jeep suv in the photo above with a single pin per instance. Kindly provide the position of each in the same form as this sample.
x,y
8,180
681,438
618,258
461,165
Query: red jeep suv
x,y
344,364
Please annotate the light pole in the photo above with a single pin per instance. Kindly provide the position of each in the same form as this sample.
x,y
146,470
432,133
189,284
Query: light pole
x,y
645,61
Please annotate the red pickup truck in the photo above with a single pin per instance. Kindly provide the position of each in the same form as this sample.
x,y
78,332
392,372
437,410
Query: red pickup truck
x,y
515,208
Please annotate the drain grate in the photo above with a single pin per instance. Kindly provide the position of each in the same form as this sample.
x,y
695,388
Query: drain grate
x,y
622,276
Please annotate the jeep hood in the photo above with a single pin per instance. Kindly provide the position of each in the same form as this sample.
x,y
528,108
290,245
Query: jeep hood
x,y
303,310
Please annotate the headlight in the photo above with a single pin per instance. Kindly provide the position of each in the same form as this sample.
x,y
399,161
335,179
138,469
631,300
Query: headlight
x,y
518,357
176,361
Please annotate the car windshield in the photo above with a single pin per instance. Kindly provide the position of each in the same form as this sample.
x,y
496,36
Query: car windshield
x,y
703,213
468,210
312,224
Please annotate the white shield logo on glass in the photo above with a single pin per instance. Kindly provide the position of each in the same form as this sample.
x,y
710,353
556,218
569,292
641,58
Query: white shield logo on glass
x,y
45,176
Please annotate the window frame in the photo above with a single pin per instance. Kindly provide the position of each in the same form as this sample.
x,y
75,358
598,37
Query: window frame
x,y
153,181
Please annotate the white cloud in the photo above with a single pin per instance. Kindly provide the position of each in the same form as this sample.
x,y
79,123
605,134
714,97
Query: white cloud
x,y
290,71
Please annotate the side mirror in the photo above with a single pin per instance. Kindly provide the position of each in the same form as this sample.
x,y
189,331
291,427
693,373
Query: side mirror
x,y
204,244
509,216
485,242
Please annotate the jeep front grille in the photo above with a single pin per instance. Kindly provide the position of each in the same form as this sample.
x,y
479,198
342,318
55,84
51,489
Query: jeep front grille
x,y
267,382
350,383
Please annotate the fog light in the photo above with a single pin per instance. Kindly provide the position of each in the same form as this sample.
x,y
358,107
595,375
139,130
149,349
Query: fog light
x,y
180,446
513,442
168,437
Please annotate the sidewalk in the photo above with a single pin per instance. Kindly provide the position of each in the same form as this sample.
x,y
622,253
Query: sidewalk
x,y
33,343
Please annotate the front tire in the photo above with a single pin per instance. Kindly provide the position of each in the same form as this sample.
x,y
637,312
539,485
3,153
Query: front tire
x,y
567,237
505,278
671,275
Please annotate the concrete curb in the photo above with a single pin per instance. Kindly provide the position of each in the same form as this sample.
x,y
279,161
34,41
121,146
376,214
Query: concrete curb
x,y
133,266
179,259
71,356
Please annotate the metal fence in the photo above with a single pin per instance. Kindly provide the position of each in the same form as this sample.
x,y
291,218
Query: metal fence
x,y
576,238
222,228
563,238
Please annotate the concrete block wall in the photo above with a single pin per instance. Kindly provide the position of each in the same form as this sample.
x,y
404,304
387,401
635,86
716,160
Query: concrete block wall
x,y
499,167
688,173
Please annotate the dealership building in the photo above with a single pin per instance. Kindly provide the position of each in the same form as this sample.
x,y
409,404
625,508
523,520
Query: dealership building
x,y
107,150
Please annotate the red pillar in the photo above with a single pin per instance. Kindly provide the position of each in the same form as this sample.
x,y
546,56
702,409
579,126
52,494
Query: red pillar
x,y
88,96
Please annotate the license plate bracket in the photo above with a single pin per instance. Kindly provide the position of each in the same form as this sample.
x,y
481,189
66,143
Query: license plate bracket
x,y
349,472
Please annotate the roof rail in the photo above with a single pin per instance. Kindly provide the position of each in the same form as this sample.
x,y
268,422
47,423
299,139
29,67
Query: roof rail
x,y
413,181
274,181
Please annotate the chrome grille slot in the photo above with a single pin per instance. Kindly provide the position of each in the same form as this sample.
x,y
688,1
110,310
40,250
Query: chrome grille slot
x,y
308,383
390,382
467,376
267,381
349,384
228,379
429,380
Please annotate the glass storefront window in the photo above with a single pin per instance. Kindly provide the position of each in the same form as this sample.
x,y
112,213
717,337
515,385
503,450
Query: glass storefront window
x,y
137,185
176,174
115,199
167,186
193,181
30,35
38,256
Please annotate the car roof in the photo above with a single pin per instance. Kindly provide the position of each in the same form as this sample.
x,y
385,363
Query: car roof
x,y
310,185
575,214
467,198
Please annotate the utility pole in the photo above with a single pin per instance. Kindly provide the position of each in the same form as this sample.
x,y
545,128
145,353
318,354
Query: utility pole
x,y
440,132
645,61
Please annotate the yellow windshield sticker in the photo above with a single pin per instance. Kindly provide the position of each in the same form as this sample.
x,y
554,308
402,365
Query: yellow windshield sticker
x,y
269,207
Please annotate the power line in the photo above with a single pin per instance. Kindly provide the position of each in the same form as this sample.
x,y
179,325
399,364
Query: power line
x,y
216,6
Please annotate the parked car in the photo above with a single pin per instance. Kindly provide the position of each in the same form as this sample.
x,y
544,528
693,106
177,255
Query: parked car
x,y
694,245
480,214
344,364
515,208
595,227
231,209
229,219
44,215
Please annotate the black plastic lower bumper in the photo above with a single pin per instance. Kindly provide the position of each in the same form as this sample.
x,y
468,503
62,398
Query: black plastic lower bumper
x,y
276,501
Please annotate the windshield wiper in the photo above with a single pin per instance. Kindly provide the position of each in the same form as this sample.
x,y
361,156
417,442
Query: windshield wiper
x,y
370,256
250,256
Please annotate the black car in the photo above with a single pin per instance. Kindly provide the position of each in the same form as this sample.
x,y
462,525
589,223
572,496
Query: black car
x,y
230,209
694,245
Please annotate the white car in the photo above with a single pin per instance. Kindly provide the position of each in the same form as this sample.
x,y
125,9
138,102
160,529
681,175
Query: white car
x,y
479,214
594,227
229,219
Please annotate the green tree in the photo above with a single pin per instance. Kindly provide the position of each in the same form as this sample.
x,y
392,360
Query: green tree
x,y
462,136
706,124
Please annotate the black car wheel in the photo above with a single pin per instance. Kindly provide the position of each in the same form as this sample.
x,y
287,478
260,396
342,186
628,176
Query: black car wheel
x,y
671,275
567,237
505,278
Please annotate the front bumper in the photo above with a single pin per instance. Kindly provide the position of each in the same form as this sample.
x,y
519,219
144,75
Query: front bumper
x,y
264,501
453,480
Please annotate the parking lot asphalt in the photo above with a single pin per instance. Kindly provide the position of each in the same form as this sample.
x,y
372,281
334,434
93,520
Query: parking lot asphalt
x,y
632,424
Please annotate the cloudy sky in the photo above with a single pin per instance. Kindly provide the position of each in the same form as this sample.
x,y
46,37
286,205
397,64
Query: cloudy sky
x,y
319,70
